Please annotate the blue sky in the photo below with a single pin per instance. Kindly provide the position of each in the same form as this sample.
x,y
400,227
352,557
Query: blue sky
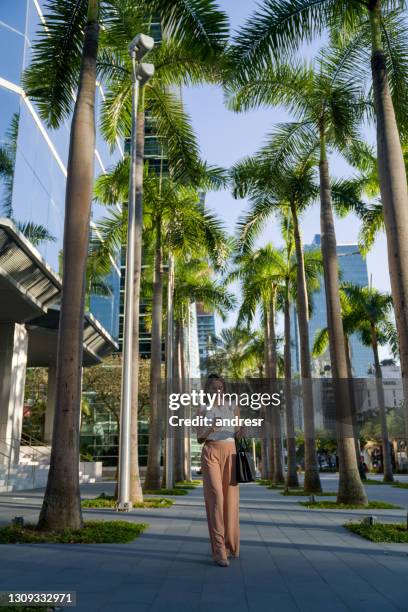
x,y
226,137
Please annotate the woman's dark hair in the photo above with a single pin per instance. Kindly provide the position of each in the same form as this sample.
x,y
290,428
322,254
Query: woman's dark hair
x,y
210,379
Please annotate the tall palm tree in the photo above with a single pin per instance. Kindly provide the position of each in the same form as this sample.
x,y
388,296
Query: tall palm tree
x,y
290,189
328,107
369,316
175,222
193,283
259,274
374,34
186,57
64,61
287,296
183,228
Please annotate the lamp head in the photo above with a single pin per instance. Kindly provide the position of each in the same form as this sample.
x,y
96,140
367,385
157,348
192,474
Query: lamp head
x,y
144,73
140,45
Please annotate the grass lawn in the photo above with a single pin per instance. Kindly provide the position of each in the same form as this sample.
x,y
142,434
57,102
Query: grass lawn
x,y
174,491
93,532
331,505
108,501
372,481
400,485
264,482
189,484
300,492
380,532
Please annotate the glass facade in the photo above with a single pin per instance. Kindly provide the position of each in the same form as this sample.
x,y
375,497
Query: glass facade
x,y
34,158
206,332
353,269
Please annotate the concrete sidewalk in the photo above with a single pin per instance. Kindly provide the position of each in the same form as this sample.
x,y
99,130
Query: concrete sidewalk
x,y
291,559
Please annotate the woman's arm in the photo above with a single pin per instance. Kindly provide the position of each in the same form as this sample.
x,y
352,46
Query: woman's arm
x,y
202,431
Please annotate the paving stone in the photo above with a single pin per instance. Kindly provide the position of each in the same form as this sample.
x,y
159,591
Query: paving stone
x,y
292,559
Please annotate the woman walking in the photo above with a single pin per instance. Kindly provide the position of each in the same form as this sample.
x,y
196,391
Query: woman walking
x,y
218,464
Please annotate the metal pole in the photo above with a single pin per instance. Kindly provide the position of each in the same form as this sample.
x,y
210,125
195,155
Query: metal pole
x,y
124,502
169,369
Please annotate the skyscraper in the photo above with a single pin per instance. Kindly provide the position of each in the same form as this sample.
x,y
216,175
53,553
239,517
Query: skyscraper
x,y
33,173
206,332
34,158
353,269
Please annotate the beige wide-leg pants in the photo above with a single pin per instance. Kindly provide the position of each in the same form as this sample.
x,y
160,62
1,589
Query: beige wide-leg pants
x,y
221,494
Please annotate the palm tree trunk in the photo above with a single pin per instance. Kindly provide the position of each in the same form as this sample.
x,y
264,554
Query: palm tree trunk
x,y
184,389
178,384
136,494
353,410
277,473
388,476
351,489
152,480
312,479
62,504
394,194
266,455
292,476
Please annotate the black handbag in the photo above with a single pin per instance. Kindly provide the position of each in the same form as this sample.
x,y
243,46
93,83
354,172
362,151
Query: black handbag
x,y
245,462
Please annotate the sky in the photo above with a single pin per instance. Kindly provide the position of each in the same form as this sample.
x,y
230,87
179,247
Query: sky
x,y
226,137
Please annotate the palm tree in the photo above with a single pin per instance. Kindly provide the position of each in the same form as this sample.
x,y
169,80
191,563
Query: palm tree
x,y
173,221
320,345
369,316
64,61
313,267
328,108
183,59
372,31
183,228
273,189
259,274
231,353
193,283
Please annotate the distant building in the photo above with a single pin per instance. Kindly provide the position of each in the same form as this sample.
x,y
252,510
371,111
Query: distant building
x,y
33,177
206,332
353,268
193,357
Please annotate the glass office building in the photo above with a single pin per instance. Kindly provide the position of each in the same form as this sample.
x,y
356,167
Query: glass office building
x,y
33,158
353,269
206,332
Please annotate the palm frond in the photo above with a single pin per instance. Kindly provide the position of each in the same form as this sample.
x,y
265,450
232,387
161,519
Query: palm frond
x,y
56,57
320,342
35,232
200,23
277,28
174,128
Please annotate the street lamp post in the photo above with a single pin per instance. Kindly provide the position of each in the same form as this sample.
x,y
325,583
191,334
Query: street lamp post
x,y
141,73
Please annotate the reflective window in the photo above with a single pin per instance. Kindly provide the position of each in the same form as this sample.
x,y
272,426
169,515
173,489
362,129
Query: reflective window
x,y
39,186
32,183
9,121
12,46
13,13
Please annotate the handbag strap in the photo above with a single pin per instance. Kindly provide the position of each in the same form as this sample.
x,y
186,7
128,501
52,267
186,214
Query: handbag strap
x,y
241,444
